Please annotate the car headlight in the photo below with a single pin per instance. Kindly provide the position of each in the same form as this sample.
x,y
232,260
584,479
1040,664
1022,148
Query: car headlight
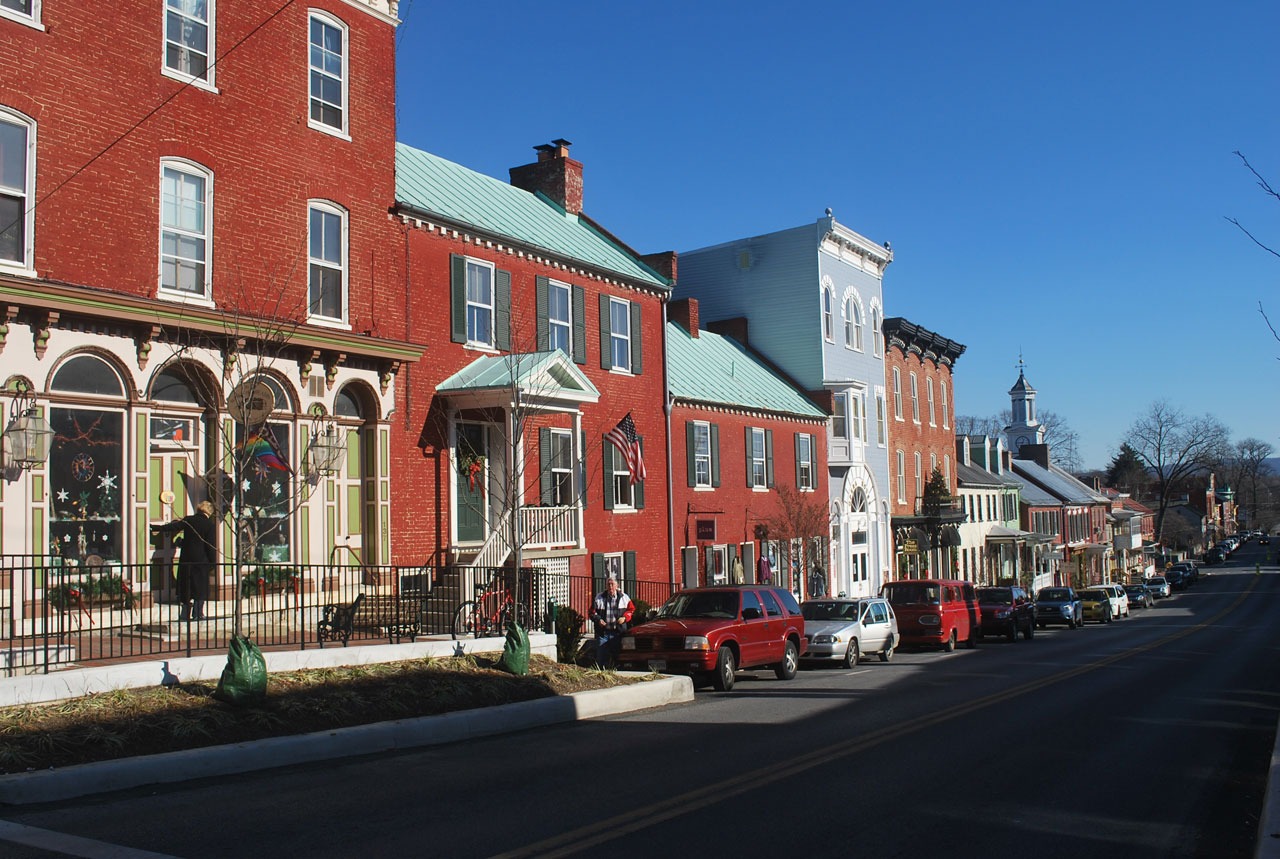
x,y
629,642
696,642
1003,613
826,638
1066,609
930,620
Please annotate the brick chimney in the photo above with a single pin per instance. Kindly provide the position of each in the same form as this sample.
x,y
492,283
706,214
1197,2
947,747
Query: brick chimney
x,y
735,328
684,312
554,174
1037,453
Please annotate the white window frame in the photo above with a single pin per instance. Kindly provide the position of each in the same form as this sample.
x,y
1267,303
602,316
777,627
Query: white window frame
x,y
840,416
877,336
188,169
561,467
476,307
933,463
919,475
327,20
759,460
805,443
882,429
24,195
173,7
328,210
946,468
902,476
897,394
619,342
560,327
701,461
828,321
623,499
852,323
946,412
915,399
615,565
30,18
928,391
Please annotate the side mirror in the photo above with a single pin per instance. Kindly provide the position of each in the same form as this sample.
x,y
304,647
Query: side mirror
x,y
651,614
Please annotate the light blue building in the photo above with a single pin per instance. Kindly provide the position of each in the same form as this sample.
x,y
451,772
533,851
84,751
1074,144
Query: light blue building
x,y
812,301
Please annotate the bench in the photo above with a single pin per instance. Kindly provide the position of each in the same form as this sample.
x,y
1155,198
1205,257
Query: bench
x,y
337,621
384,614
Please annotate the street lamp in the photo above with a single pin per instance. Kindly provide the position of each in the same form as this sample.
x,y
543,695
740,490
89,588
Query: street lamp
x,y
28,436
328,449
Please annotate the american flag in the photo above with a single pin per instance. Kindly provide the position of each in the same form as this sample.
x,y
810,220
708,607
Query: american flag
x,y
624,438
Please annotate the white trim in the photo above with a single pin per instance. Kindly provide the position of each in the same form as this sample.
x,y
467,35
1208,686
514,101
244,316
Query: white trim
x,y
613,333
210,53
188,168
32,20
344,130
567,325
329,208
26,265
709,484
489,345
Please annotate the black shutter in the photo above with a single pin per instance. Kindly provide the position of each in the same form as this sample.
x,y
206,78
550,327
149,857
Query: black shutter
x,y
544,464
747,445
689,566
579,325
607,468
606,335
691,461
749,563
715,454
796,442
636,356
542,285
597,577
768,458
458,297
629,573
502,310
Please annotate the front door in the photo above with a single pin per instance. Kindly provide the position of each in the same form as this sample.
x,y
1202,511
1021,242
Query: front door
x,y
176,487
471,474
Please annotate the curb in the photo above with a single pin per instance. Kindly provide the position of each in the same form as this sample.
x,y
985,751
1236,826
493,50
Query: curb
x,y
1268,846
105,776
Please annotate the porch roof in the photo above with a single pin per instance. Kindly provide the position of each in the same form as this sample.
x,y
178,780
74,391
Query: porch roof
x,y
541,378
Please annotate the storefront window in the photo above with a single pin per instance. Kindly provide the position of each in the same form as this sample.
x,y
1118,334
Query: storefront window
x,y
86,464
266,498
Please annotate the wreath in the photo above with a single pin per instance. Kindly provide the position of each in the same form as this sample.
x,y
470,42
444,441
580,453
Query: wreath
x,y
472,466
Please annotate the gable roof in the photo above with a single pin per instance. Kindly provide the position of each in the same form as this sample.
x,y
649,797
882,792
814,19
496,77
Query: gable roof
x,y
1033,495
541,377
433,186
718,370
1057,482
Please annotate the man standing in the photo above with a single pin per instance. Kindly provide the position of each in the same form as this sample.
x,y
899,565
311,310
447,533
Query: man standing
x,y
611,613
199,553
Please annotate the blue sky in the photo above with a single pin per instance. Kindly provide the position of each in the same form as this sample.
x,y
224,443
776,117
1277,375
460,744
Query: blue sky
x,y
1054,178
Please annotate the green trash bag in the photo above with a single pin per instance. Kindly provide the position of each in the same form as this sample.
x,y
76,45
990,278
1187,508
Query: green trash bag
x,y
515,654
244,680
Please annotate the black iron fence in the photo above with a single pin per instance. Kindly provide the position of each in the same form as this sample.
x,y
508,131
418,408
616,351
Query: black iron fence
x,y
54,615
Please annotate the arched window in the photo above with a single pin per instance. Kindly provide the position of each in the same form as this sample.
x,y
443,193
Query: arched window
x,y
186,229
877,336
265,467
828,324
17,190
172,386
347,405
87,374
852,324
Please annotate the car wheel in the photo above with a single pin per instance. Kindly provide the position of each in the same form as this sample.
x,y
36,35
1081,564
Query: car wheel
x,y
1106,616
950,644
972,641
887,653
1071,623
722,680
786,669
1013,631
852,655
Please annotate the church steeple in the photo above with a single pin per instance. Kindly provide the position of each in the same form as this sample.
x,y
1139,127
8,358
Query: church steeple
x,y
1025,428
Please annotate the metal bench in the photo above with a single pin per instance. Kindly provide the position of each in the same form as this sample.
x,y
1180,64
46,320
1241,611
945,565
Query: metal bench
x,y
337,622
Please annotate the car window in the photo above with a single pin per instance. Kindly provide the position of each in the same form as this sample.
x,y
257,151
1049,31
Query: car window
x,y
995,596
751,605
878,612
787,599
911,593
770,604
820,610
1055,594
718,604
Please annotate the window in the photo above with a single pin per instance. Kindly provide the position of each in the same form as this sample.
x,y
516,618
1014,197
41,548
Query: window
x,y
828,324
877,336
186,202
805,477
915,399
840,418
919,476
561,468
942,390
852,324
757,474
897,394
946,468
328,74
327,262
857,417
701,433
619,340
479,303
188,38
881,430
902,477
17,183
559,323
22,11
933,463
619,479
928,390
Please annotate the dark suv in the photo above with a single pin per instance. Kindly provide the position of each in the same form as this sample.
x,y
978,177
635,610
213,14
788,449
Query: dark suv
x,y
1007,611
709,633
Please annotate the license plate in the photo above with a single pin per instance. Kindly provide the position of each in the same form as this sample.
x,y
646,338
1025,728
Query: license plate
x,y
657,665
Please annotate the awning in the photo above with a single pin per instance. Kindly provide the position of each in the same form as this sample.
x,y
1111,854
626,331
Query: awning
x,y
950,536
1096,549
1001,534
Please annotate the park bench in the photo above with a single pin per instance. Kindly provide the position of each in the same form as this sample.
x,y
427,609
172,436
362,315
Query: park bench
x,y
337,621
384,614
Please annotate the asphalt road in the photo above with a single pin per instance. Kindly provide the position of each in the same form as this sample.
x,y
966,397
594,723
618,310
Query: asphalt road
x,y
1147,737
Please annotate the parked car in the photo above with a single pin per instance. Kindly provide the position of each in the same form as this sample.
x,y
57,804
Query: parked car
x,y
1139,595
934,612
1058,606
1188,570
1264,540
1119,601
713,632
1159,586
844,629
1006,611
1095,605
1177,581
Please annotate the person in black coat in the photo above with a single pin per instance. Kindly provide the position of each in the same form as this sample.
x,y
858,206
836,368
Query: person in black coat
x,y
198,539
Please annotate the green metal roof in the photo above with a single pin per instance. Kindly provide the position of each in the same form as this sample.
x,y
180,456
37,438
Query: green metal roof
x,y
544,374
431,185
714,369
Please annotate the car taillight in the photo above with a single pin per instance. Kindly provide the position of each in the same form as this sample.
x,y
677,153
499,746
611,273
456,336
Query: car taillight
x,y
930,620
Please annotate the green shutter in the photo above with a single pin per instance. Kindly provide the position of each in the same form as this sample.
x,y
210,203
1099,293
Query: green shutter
x,y
502,310
637,489
607,468
689,566
749,563
768,458
544,462
629,573
542,286
582,469
458,297
579,325
597,576
747,446
715,454
606,334
796,443
690,458
636,356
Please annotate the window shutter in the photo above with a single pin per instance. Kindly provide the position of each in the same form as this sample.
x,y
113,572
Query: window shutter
x,y
541,287
606,334
768,458
636,355
798,463
579,325
747,433
749,562
629,573
715,454
691,462
544,463
637,489
689,566
582,469
597,576
502,310
458,297
607,464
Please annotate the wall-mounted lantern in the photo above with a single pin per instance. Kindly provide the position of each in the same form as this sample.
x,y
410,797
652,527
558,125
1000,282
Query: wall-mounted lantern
x,y
328,449
28,436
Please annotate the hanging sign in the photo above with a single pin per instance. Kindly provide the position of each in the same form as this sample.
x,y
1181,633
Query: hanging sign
x,y
251,402
706,529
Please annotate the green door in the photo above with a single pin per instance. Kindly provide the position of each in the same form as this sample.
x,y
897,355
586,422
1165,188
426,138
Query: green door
x,y
472,476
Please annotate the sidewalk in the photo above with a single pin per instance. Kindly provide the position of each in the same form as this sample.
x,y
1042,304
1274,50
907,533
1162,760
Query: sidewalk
x,y
87,779
1269,824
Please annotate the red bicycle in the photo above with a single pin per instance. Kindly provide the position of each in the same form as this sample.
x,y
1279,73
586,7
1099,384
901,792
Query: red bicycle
x,y
489,613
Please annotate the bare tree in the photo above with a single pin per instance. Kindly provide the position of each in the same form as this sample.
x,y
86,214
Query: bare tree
x,y
974,425
1274,194
1173,447
1063,441
1248,466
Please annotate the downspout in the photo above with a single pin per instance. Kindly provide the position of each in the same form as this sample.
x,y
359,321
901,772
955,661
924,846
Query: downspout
x,y
666,412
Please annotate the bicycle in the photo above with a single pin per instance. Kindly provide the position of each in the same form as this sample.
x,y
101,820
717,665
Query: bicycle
x,y
489,613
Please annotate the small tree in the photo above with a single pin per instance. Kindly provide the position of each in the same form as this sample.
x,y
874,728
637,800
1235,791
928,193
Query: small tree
x,y
1174,447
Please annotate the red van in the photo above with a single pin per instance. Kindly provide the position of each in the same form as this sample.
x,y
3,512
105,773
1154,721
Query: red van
x,y
935,612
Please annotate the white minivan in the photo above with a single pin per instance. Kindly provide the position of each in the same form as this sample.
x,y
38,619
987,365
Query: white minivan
x,y
1119,600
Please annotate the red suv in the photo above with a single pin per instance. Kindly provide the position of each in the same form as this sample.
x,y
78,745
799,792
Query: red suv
x,y
709,633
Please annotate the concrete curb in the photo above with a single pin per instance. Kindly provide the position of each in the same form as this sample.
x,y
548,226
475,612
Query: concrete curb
x,y
88,779
1269,825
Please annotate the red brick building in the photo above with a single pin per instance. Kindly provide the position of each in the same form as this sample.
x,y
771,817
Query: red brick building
x,y
193,199
918,374
543,333
748,461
